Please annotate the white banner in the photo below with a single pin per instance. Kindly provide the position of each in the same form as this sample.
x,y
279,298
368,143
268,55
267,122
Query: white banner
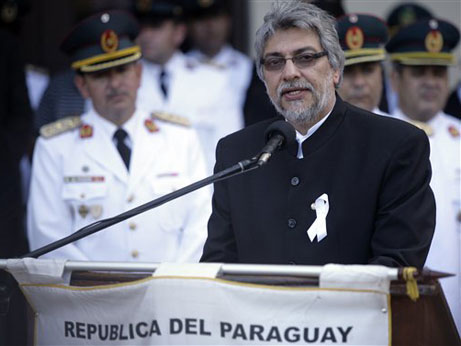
x,y
177,310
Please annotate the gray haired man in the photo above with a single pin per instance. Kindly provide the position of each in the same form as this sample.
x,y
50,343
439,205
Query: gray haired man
x,y
353,188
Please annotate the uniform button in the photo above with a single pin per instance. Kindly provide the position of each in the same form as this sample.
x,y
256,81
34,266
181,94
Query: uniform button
x,y
130,199
132,226
295,181
82,196
135,253
291,223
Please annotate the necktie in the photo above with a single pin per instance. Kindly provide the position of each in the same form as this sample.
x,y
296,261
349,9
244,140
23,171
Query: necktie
x,y
163,87
125,152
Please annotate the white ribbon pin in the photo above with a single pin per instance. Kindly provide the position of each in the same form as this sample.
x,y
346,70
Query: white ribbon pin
x,y
319,227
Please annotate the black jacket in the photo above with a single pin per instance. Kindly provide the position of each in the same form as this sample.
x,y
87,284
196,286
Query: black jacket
x,y
376,172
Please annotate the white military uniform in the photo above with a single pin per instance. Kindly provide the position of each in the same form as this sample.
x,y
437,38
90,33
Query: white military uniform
x,y
237,68
79,177
445,252
197,92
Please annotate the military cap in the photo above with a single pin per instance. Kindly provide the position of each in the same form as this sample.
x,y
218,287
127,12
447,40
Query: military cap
x,y
154,11
427,42
205,8
362,38
103,41
406,14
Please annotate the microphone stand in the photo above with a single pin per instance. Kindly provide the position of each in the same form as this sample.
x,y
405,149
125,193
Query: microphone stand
x,y
237,169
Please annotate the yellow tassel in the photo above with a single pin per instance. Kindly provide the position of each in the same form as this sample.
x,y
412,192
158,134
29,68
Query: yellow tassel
x,y
412,286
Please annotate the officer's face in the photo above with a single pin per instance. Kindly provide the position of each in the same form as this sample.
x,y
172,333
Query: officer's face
x,y
362,85
303,95
422,90
210,34
113,91
158,43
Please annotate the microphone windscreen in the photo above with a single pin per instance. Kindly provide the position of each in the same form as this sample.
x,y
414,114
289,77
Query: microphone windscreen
x,y
283,128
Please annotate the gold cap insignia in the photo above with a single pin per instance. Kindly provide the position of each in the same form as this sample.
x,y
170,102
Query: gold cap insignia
x,y
205,3
453,131
9,12
143,5
434,41
150,125
86,131
354,37
109,41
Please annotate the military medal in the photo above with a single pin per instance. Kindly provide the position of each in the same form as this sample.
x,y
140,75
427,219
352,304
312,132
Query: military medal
x,y
83,211
96,211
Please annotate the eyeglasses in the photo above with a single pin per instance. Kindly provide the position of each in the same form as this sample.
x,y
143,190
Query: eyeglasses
x,y
277,63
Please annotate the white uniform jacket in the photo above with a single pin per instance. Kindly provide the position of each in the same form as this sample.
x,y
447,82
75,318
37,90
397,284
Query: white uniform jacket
x,y
445,252
234,65
78,177
196,92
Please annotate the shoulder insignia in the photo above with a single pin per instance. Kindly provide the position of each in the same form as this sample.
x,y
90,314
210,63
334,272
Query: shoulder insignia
x,y
423,126
453,131
171,118
60,126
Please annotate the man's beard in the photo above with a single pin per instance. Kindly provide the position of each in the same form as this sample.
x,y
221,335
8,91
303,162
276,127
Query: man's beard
x,y
298,112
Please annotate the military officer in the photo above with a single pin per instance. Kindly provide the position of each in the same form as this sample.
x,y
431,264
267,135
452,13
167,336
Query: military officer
x,y
421,54
115,157
173,83
209,29
362,38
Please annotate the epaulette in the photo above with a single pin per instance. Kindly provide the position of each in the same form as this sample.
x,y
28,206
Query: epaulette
x,y
423,126
171,118
60,126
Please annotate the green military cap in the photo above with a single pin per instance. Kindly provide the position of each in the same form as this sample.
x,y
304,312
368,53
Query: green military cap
x,y
103,41
362,38
156,11
406,14
427,42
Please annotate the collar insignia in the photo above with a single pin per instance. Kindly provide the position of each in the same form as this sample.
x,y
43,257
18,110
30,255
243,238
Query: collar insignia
x,y
86,131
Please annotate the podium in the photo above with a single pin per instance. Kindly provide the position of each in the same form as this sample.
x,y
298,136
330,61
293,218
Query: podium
x,y
426,321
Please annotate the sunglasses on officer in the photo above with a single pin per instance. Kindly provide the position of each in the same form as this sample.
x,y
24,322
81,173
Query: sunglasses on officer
x,y
304,60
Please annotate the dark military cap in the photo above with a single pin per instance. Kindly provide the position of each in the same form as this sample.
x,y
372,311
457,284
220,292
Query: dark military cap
x,y
205,8
103,41
406,14
154,11
427,42
333,7
362,38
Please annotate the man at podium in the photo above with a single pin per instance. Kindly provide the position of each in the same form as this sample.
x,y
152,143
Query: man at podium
x,y
114,158
352,189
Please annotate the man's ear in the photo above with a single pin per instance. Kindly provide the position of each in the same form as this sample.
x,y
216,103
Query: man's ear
x,y
81,85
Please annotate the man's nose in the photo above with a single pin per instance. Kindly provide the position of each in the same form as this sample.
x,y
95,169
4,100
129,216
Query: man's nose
x,y
114,79
290,71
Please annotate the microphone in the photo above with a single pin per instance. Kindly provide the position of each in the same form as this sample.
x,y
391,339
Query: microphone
x,y
278,135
